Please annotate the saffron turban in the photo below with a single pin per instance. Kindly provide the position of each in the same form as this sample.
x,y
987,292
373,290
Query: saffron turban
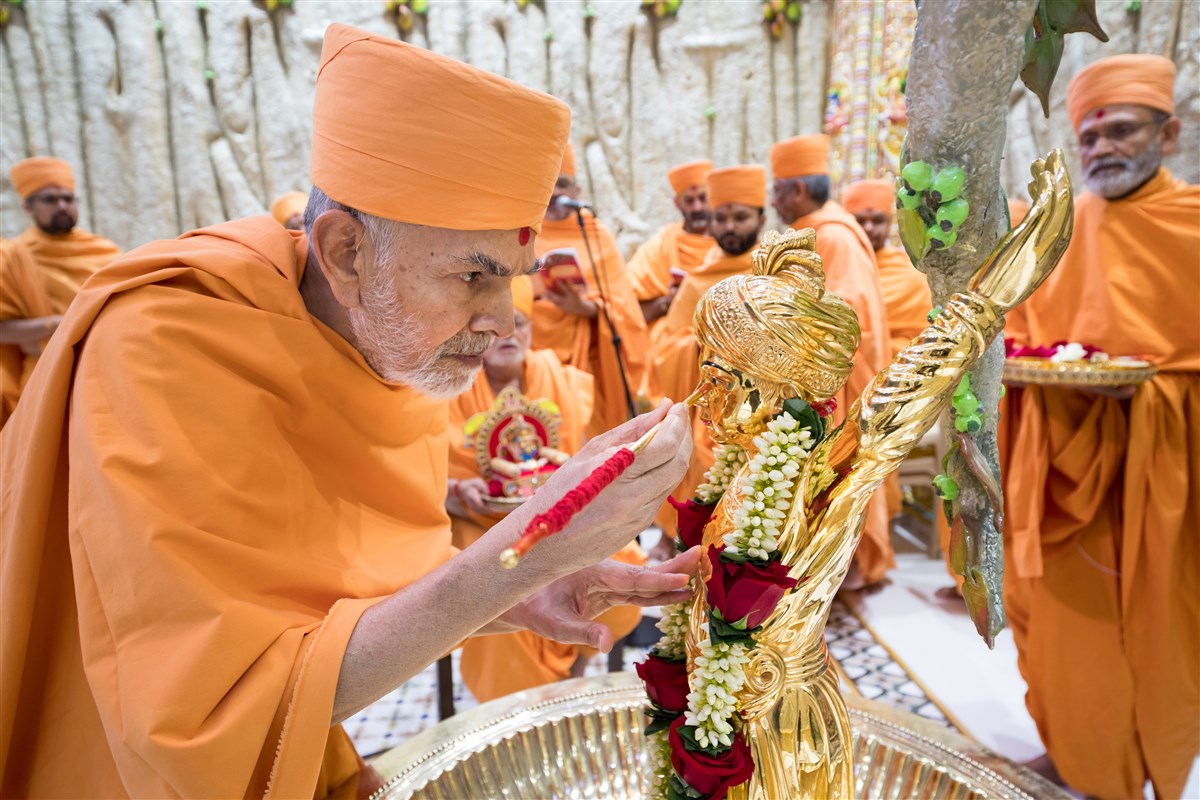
x,y
568,162
879,195
745,184
522,295
406,134
31,174
685,176
778,324
800,155
288,204
1142,80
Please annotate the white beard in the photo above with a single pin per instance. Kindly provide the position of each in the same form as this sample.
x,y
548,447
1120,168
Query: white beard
x,y
1133,172
384,336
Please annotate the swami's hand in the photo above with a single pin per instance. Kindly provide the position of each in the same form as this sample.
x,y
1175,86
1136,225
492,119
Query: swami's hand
x,y
571,299
566,610
1031,250
620,512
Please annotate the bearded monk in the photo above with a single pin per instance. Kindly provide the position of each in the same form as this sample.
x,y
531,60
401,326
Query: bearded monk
x,y
41,270
224,527
738,196
570,319
288,210
494,666
678,247
800,194
1106,493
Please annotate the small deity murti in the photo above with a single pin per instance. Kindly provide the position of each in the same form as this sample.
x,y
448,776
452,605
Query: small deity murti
x,y
776,340
514,443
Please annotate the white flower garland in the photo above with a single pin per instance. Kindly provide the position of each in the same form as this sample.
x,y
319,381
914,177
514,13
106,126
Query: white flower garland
x,y
767,488
659,751
728,459
674,625
720,670
717,676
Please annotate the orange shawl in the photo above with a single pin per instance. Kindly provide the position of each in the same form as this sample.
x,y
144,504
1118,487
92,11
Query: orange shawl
x,y
850,272
906,296
39,276
205,491
587,344
672,247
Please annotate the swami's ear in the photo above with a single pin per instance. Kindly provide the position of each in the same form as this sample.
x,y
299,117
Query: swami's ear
x,y
336,238
1170,135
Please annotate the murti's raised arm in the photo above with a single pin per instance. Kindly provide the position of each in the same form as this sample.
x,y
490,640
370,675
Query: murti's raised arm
x,y
906,399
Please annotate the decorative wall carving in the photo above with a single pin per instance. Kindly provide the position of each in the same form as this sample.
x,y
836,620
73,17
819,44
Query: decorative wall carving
x,y
179,114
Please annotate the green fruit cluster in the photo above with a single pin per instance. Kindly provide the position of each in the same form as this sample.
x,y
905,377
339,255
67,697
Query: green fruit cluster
x,y
931,208
946,487
967,418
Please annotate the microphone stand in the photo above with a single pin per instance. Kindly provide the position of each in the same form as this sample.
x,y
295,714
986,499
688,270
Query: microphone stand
x,y
616,336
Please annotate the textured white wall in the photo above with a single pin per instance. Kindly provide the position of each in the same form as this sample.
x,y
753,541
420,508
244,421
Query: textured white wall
x,y
119,88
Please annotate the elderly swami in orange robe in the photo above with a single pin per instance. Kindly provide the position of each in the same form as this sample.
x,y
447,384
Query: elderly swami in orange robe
x,y
223,523
1106,483
800,194
571,320
42,269
493,666
678,247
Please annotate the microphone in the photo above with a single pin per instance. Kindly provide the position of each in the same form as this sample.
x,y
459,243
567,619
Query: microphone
x,y
575,205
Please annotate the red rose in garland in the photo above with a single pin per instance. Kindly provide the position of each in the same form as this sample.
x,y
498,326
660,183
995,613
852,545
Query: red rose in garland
x,y
711,775
690,519
746,590
666,682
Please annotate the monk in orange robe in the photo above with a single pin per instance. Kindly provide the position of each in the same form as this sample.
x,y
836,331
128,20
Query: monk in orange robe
x,y
658,265
494,666
223,528
800,193
41,270
1107,489
573,320
288,210
738,196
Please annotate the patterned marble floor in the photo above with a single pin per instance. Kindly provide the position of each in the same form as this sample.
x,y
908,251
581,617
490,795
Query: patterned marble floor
x,y
868,664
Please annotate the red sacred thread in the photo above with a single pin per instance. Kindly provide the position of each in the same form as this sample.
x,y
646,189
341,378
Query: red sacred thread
x,y
557,516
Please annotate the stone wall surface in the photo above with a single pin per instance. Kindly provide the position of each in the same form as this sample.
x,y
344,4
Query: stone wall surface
x,y
179,114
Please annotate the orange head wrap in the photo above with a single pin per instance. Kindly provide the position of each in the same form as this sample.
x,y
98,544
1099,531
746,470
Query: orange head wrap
x,y
685,176
1137,79
288,204
522,295
800,155
568,162
32,174
745,184
879,195
406,134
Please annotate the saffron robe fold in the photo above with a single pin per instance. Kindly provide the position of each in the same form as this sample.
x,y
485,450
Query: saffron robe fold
x,y
850,272
495,666
906,297
205,490
671,247
586,344
40,274
1105,503
675,368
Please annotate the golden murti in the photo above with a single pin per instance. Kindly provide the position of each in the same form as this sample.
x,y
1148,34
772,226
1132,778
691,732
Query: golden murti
x,y
775,335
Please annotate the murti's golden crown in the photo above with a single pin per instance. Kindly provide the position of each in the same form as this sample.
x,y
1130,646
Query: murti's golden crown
x,y
778,324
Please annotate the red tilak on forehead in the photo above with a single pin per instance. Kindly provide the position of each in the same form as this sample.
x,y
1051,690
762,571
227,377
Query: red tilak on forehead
x,y
523,236
1100,114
